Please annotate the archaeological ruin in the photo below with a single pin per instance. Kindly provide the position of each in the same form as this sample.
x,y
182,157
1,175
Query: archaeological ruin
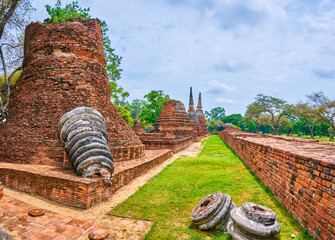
x,y
176,129
299,172
63,69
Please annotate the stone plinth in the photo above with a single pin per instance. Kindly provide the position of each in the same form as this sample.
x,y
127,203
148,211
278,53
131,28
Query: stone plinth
x,y
63,69
63,186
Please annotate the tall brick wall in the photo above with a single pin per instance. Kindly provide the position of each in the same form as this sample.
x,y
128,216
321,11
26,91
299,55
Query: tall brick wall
x,y
63,69
300,174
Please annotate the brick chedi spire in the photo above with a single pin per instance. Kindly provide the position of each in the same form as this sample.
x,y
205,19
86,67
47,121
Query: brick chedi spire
x,y
191,113
201,116
191,103
199,107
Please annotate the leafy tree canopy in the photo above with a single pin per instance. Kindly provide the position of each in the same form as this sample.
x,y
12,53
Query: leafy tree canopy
x,y
215,113
153,106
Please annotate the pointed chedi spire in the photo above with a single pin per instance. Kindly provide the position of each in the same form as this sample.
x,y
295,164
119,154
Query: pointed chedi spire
x,y
199,107
191,103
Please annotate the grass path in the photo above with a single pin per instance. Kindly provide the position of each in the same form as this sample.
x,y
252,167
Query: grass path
x,y
169,197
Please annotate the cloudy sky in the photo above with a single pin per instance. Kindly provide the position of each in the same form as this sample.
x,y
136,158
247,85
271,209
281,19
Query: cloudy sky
x,y
230,50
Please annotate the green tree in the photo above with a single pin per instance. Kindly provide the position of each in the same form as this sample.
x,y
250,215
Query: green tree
x,y
253,114
138,105
304,111
235,119
152,107
215,113
125,113
273,109
14,16
324,109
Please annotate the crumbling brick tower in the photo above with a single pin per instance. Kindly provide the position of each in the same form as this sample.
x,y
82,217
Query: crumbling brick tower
x,y
63,69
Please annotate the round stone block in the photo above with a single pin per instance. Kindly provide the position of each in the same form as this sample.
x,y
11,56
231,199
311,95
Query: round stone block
x,y
253,221
36,212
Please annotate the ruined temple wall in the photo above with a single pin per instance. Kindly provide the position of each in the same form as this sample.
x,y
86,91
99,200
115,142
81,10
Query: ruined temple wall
x,y
304,182
63,69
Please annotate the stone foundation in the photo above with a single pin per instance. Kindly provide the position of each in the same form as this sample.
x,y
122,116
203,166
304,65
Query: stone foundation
x,y
300,174
176,145
63,186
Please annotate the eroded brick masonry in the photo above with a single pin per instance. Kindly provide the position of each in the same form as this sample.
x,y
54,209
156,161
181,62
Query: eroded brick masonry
x,y
63,69
300,173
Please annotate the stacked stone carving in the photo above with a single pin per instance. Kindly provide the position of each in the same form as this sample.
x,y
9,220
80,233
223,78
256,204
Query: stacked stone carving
x,y
83,133
63,68
249,222
253,221
213,212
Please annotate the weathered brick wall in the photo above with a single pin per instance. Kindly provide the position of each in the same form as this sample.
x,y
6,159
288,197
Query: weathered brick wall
x,y
300,174
64,187
154,141
63,69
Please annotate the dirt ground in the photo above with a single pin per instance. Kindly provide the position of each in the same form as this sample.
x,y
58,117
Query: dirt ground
x,y
120,228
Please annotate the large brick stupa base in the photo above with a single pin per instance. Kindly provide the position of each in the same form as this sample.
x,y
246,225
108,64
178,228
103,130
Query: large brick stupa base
x,y
63,69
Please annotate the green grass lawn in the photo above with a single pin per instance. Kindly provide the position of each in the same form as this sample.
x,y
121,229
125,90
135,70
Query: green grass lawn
x,y
170,197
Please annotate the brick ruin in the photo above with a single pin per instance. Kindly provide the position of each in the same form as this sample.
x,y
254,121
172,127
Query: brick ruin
x,y
299,172
197,117
175,129
63,69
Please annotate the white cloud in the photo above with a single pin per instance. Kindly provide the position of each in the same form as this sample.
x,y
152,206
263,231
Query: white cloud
x,y
259,46
227,100
216,87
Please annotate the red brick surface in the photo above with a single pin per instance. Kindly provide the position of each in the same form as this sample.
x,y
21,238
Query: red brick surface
x,y
63,69
63,186
14,218
174,120
176,130
301,174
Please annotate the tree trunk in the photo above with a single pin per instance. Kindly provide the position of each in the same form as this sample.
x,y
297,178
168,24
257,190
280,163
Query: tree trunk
x,y
289,132
257,128
310,129
331,133
3,105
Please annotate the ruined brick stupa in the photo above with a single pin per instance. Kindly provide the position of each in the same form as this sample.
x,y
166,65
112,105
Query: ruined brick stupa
x,y
63,69
174,119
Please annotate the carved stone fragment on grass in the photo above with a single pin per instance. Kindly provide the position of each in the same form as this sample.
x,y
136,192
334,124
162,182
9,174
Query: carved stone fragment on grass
x,y
212,212
253,221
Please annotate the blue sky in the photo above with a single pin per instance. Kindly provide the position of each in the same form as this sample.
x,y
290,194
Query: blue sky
x,y
230,50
